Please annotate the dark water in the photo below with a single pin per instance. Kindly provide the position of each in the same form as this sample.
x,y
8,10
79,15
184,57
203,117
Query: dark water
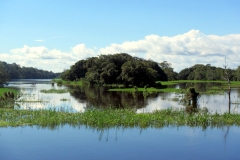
x,y
81,98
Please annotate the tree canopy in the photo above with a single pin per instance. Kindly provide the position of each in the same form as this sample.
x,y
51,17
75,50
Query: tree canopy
x,y
124,69
4,78
118,68
167,68
14,71
206,72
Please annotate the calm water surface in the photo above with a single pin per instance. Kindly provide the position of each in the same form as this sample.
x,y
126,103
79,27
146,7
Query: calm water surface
x,y
132,143
81,98
68,142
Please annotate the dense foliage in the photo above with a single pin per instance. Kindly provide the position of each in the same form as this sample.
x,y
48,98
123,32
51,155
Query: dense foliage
x,y
3,76
14,71
124,69
166,67
207,72
116,69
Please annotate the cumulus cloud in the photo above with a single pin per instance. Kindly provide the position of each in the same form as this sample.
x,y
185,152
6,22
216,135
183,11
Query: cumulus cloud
x,y
184,50
81,52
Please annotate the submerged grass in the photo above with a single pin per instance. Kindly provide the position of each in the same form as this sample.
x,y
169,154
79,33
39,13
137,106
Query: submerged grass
x,y
143,89
116,118
59,91
69,83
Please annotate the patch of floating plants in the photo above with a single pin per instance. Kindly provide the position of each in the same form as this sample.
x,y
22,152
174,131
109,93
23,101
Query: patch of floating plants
x,y
64,99
58,91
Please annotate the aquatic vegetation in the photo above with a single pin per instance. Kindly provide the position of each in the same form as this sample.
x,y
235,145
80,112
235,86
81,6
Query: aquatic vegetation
x,y
7,98
213,91
68,83
3,90
64,99
59,83
59,91
105,118
143,89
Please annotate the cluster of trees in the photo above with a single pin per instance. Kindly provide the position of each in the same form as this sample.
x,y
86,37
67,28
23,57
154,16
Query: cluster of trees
x,y
119,69
116,69
167,68
125,69
14,71
207,72
4,78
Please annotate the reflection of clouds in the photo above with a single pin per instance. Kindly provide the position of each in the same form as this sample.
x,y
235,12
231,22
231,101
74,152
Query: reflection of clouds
x,y
214,103
219,103
163,101
53,101
79,107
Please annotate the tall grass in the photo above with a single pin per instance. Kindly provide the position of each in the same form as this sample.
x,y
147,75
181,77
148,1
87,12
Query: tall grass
x,y
59,91
2,90
116,118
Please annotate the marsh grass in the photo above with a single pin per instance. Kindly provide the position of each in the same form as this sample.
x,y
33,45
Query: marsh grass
x,y
3,90
143,89
214,90
107,118
68,83
64,99
52,91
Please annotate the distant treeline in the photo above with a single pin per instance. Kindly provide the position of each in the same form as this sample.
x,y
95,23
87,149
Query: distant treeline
x,y
14,71
122,68
208,72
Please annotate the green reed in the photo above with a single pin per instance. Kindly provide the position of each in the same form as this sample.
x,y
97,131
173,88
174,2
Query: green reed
x,y
58,91
107,118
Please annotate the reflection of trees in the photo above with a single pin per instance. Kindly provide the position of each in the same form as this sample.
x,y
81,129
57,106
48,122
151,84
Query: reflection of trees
x,y
100,97
200,87
226,134
238,92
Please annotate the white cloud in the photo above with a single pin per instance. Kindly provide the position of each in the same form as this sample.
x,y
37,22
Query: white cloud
x,y
81,52
182,51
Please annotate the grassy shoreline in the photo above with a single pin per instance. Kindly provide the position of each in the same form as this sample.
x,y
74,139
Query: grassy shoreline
x,y
116,118
2,90
234,84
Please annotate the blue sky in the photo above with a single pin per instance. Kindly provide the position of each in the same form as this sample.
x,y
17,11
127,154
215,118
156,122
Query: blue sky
x,y
54,34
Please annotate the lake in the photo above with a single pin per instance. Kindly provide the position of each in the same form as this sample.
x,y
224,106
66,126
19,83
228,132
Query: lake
x,y
77,99
83,142
68,142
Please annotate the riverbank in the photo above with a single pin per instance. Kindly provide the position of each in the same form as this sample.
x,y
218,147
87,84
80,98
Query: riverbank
x,y
116,118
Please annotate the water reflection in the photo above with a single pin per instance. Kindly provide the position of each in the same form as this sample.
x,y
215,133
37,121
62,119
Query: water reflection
x,y
81,98
100,97
200,87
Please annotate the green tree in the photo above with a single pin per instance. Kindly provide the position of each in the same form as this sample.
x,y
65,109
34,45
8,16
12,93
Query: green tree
x,y
137,73
237,73
167,68
4,77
